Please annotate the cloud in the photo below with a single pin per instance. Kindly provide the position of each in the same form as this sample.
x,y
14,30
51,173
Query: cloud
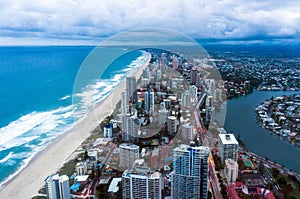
x,y
92,20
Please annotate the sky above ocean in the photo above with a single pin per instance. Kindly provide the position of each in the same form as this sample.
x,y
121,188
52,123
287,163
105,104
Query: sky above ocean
x,y
81,22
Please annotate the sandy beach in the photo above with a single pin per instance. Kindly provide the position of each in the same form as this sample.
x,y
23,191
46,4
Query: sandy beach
x,y
27,183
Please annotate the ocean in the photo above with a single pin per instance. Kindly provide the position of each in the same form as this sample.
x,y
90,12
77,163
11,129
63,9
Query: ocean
x,y
36,103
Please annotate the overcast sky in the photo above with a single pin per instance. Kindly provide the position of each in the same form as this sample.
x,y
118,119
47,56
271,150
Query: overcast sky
x,y
90,21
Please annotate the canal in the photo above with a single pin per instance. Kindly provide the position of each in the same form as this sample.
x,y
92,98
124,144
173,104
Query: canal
x,y
241,118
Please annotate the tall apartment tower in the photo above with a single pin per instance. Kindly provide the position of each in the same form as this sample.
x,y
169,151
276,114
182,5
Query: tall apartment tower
x,y
124,103
149,101
131,89
57,187
162,117
228,147
130,128
128,154
171,124
186,98
190,172
193,92
187,131
231,170
193,76
141,182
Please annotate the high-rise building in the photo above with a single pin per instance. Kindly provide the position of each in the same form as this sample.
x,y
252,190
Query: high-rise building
x,y
158,75
193,76
190,172
186,98
130,128
212,88
149,101
187,132
141,182
171,122
193,92
124,103
162,117
175,63
128,153
157,86
228,147
57,187
146,73
131,89
231,170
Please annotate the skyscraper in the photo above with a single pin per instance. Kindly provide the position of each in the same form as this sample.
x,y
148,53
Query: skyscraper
x,y
158,75
124,103
141,182
193,92
194,76
187,132
128,154
190,172
231,170
175,63
131,89
130,128
162,117
186,98
57,187
171,122
228,147
149,101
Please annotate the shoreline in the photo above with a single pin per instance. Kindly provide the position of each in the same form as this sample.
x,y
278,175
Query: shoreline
x,y
260,131
27,182
265,118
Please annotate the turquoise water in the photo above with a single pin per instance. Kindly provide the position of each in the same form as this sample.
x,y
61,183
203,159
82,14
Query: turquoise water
x,y
36,97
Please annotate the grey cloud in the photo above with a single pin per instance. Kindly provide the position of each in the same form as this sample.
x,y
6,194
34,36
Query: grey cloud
x,y
94,19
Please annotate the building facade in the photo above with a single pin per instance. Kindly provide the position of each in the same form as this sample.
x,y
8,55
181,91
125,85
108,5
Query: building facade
x,y
228,147
131,89
171,122
128,153
149,101
190,172
140,182
57,187
130,128
187,131
231,170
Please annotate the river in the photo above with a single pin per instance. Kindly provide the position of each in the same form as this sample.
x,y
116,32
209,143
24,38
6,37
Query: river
x,y
241,118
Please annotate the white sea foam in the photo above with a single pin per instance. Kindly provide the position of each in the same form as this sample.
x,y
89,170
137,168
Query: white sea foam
x,y
23,165
23,125
65,97
6,158
46,126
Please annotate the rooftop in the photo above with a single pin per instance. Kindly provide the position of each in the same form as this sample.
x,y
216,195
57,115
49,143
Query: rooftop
x,y
228,139
81,178
128,146
113,187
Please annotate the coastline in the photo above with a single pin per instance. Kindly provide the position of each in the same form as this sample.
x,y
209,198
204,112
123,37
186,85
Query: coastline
x,y
28,181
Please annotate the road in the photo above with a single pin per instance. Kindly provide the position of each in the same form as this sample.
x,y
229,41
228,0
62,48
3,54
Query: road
x,y
270,163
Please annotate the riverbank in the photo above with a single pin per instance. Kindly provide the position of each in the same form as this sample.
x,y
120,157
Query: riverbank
x,y
240,118
27,183
280,116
